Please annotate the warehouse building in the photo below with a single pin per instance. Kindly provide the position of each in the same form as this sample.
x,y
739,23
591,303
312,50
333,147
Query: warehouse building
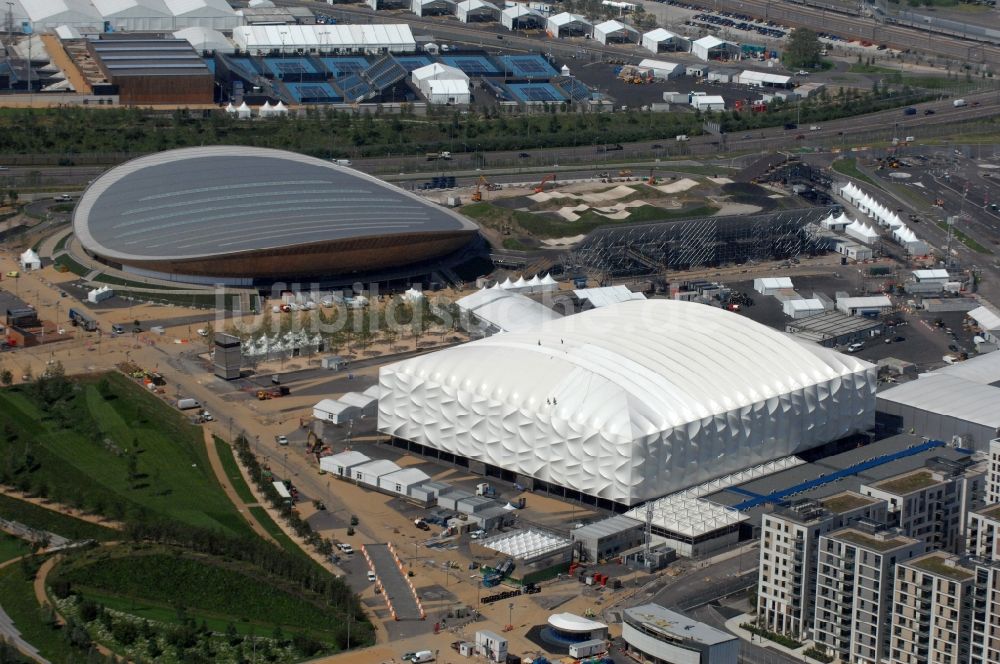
x,y
654,634
608,538
759,79
442,84
871,305
607,403
521,17
960,401
663,69
835,328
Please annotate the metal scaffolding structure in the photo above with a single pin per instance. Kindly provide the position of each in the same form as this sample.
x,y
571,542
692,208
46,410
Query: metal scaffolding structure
x,y
703,242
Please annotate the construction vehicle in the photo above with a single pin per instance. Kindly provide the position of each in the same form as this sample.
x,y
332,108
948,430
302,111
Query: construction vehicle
x,y
540,187
434,156
477,195
625,173
273,393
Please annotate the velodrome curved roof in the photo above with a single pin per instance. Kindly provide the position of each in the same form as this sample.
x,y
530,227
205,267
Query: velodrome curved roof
x,y
639,366
224,200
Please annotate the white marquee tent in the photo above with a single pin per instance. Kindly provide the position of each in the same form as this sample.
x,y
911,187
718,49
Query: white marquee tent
x,y
521,17
615,32
30,260
206,39
374,38
613,402
476,11
569,25
658,40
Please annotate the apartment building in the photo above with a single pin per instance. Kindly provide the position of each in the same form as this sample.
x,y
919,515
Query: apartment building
x,y
932,503
983,533
932,610
788,552
854,580
993,475
984,646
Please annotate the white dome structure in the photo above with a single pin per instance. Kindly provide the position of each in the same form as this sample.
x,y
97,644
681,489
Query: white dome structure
x,y
628,402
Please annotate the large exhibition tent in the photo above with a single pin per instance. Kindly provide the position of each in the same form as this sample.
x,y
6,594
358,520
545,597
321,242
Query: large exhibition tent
x,y
659,40
476,11
206,39
569,25
376,38
205,13
628,402
135,15
41,15
615,32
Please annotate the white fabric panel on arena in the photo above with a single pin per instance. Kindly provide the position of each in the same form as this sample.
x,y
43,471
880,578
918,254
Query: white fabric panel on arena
x,y
631,401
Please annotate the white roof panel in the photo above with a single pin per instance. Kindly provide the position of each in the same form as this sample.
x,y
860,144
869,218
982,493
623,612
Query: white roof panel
x,y
709,41
765,77
986,318
611,27
566,18
525,543
659,35
376,467
607,295
950,395
931,274
405,476
868,301
506,310
448,87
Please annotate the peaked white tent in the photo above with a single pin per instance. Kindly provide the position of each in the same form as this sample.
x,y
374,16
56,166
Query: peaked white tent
x,y
615,32
243,112
29,260
476,11
862,232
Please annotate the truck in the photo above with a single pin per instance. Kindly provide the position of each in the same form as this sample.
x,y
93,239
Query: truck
x,y
484,489
959,103
681,138
434,156
187,404
78,318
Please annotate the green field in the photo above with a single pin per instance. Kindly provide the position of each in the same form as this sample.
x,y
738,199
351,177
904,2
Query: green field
x,y
19,603
108,446
276,532
12,547
232,471
152,583
54,522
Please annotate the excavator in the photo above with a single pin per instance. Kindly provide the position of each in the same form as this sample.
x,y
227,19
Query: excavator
x,y
477,195
540,187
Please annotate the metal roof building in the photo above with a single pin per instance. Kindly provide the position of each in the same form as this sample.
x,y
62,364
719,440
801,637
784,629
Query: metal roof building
x,y
628,402
44,15
653,633
961,400
763,79
237,214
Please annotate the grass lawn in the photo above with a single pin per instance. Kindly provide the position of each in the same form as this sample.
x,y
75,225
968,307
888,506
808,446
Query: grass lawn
x,y
12,547
19,603
864,68
213,588
54,522
232,471
848,166
61,244
276,532
125,454
73,266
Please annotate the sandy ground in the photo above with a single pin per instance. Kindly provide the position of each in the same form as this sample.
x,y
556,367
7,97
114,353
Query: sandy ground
x,y
677,187
736,208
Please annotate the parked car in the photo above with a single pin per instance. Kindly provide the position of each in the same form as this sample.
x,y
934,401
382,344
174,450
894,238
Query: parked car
x,y
345,547
281,440
371,576
478,534
855,347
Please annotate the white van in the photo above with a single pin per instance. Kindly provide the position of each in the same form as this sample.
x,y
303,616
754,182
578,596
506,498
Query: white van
x,y
342,162
422,656
958,103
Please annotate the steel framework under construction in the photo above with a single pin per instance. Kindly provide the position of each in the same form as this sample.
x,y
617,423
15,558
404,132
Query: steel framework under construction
x,y
709,241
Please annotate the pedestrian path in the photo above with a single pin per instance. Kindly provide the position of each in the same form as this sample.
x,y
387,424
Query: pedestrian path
x,y
397,589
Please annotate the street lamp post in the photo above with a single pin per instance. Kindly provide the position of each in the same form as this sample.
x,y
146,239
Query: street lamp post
x,y
510,615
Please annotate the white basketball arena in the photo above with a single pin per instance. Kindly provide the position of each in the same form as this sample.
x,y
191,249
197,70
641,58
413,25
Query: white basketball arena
x,y
628,402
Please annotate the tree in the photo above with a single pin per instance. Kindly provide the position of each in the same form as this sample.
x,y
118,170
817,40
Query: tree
x,y
6,377
803,49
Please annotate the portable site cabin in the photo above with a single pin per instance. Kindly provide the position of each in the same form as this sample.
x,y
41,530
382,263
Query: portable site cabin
x,y
403,481
337,412
427,492
342,464
369,473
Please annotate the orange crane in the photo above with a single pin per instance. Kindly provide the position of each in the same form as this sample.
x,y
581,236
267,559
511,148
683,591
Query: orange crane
x,y
540,187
